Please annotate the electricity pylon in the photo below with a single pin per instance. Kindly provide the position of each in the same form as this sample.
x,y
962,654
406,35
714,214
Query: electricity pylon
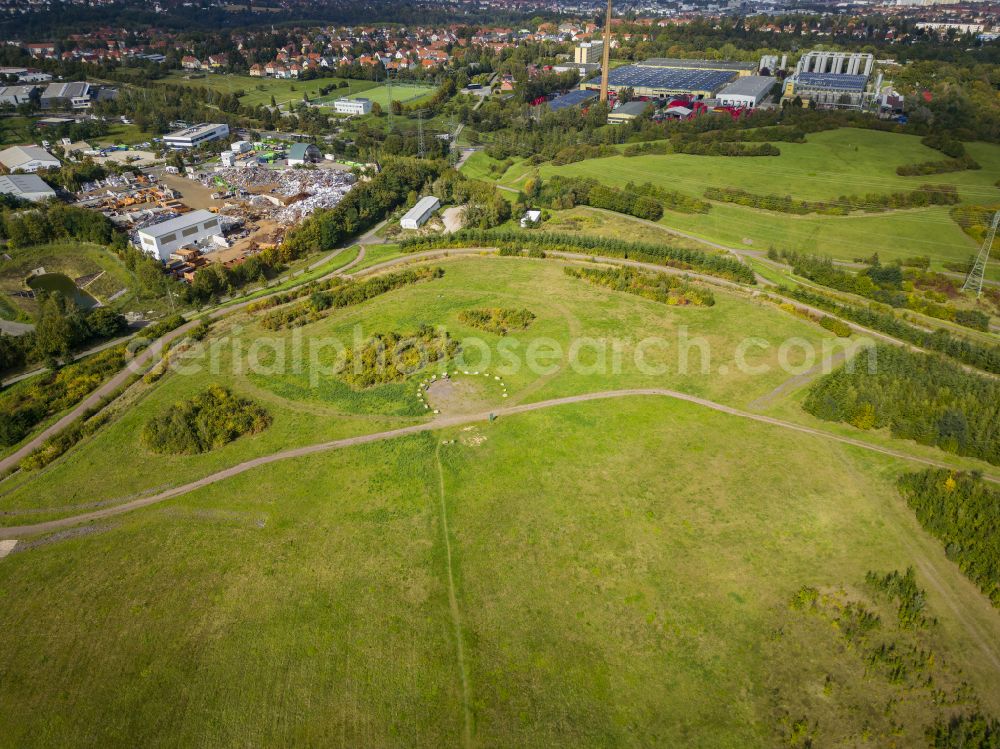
x,y
974,281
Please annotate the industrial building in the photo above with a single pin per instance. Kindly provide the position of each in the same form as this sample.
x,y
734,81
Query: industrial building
x,y
826,89
15,95
417,216
26,186
195,135
661,81
573,98
164,238
588,52
746,92
27,159
360,105
75,95
836,63
676,63
304,153
627,112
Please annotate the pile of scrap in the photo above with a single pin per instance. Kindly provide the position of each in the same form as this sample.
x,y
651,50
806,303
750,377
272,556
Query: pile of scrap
x,y
284,195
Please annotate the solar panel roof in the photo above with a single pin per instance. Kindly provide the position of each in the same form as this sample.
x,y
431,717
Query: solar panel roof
x,y
571,99
671,79
832,81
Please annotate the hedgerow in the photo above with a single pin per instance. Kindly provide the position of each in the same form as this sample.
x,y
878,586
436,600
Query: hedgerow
x,y
660,287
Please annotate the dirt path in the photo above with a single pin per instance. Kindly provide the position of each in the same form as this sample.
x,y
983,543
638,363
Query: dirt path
x,y
444,422
456,612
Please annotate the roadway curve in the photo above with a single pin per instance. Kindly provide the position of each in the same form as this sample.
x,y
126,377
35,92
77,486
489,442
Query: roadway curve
x,y
16,532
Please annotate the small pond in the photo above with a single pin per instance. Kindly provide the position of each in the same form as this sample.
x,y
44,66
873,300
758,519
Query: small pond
x,y
64,285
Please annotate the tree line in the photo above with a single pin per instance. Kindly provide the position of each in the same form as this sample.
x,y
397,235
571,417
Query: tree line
x,y
676,257
963,512
923,196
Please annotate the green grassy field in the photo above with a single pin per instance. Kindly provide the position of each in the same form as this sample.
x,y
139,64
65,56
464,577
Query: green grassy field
x,y
260,90
594,574
829,165
597,603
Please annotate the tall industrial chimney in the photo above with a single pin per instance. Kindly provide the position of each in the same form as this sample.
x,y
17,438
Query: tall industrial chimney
x,y
606,55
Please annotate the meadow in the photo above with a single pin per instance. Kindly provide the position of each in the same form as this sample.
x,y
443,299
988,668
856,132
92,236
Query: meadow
x,y
593,574
595,602
828,165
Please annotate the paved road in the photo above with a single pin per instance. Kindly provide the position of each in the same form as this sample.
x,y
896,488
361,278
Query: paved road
x,y
443,422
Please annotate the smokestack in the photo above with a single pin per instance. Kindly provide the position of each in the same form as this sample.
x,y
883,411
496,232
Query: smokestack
x,y
606,55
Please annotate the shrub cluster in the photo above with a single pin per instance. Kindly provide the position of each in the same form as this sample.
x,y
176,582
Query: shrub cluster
x,y
392,357
209,420
499,320
941,166
963,512
514,241
660,287
344,294
910,597
919,397
50,222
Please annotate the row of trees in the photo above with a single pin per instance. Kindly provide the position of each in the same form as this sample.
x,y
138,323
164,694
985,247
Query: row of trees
x,y
981,356
923,196
515,241
885,284
920,397
963,512
659,287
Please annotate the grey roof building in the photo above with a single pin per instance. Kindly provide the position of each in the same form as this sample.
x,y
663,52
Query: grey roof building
x,y
26,186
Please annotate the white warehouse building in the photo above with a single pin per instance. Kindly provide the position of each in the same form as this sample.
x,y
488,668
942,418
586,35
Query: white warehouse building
x,y
159,240
746,92
417,216
195,135
343,105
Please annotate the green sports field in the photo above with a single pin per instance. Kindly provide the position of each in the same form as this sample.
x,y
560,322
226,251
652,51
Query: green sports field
x,y
379,94
592,574
829,165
